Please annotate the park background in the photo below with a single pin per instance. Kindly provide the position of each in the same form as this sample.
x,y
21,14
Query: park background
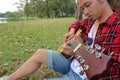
x,y
35,24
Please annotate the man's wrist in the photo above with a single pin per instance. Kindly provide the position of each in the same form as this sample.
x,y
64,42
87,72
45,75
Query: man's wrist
x,y
72,30
66,56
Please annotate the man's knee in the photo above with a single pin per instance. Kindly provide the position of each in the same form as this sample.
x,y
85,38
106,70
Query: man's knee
x,y
40,51
41,55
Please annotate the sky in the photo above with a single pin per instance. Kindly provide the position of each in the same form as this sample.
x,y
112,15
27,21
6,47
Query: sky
x,y
8,5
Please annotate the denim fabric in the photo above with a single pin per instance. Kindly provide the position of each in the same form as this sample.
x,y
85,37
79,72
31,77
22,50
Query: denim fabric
x,y
60,64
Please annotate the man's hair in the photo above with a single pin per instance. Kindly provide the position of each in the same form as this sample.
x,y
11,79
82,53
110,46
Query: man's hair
x,y
114,3
110,1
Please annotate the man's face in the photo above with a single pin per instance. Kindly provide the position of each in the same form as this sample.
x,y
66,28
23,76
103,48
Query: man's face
x,y
91,8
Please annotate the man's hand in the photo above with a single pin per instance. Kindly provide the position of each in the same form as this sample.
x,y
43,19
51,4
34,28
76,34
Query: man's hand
x,y
67,47
69,35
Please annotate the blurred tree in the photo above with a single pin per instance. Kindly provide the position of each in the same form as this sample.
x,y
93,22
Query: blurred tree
x,y
45,8
26,8
1,15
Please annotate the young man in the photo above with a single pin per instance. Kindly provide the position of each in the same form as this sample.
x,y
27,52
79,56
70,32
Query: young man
x,y
102,26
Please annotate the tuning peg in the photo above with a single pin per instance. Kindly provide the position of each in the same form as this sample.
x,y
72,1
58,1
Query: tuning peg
x,y
92,51
97,47
98,55
82,60
78,56
86,67
87,47
110,54
102,51
81,72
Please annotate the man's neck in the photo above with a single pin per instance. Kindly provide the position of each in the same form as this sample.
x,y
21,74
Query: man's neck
x,y
106,14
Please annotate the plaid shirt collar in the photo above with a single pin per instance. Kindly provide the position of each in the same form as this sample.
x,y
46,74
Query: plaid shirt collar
x,y
112,18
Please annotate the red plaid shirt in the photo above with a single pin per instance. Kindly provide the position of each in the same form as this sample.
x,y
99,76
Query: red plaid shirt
x,y
108,37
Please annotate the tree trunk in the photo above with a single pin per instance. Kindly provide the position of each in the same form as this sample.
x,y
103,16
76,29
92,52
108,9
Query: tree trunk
x,y
27,9
47,9
78,11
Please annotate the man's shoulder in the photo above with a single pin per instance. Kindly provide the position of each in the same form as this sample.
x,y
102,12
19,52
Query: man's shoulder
x,y
115,18
118,20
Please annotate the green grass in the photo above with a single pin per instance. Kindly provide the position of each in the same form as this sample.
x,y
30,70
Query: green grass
x,y
19,40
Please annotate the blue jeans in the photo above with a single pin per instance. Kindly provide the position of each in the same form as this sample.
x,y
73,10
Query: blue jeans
x,y
60,64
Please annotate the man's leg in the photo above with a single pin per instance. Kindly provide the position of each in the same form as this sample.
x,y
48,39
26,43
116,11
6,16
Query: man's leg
x,y
31,65
59,63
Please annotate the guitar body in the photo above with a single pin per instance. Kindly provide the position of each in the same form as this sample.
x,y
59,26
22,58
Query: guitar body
x,y
98,66
94,62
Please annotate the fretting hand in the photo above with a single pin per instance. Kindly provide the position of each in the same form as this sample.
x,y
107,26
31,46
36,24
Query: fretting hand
x,y
67,47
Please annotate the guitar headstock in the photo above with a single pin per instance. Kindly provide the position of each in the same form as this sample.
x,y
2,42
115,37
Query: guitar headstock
x,y
89,57
98,51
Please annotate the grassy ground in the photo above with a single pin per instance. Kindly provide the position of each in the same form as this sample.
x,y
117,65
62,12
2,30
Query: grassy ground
x,y
19,40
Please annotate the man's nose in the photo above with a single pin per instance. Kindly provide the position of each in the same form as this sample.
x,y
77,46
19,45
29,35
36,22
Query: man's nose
x,y
86,11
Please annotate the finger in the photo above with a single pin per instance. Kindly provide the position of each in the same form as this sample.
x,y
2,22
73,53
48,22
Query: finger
x,y
67,52
65,38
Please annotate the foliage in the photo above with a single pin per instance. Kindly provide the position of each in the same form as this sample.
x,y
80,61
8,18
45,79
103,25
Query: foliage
x,y
42,9
13,16
51,8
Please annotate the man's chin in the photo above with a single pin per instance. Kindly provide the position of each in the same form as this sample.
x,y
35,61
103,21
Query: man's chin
x,y
94,18
91,17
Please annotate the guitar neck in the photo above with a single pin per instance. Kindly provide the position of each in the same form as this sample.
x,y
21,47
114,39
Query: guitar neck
x,y
60,49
